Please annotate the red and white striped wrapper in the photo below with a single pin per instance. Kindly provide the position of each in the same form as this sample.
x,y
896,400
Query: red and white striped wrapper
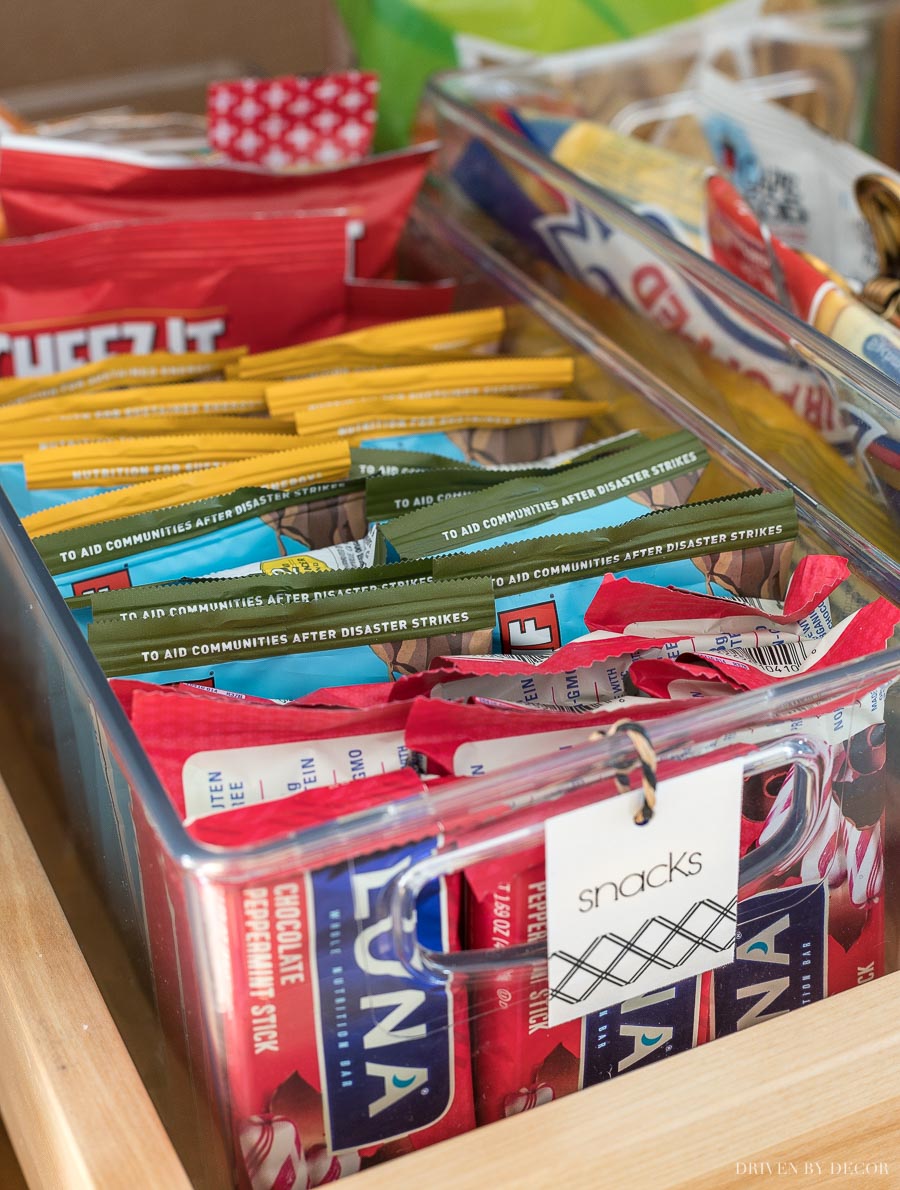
x,y
293,121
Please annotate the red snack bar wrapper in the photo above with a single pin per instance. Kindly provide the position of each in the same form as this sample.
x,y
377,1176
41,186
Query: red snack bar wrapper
x,y
371,695
49,185
126,688
335,1054
197,285
843,852
585,675
865,631
293,120
215,755
641,609
520,1061
630,621
468,741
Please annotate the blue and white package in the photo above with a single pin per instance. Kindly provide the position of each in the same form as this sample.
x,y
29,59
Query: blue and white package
x,y
247,526
285,649
543,587
595,495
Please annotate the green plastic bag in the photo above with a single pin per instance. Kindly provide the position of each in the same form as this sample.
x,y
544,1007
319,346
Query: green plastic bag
x,y
406,41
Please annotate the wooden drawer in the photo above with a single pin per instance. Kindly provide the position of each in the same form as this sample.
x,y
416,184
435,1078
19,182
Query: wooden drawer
x,y
75,1108
821,1086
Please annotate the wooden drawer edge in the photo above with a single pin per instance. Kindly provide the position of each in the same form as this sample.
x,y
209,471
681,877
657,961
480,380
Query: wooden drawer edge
x,y
819,1085
73,1103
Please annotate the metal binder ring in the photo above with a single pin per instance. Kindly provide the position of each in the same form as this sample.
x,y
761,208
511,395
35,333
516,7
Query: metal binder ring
x,y
647,757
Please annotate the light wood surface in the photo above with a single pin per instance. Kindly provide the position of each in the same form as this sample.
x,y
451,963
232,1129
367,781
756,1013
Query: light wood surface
x,y
75,1108
821,1085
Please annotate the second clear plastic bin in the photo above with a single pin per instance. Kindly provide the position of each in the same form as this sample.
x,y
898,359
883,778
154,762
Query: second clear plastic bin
x,y
765,374
328,994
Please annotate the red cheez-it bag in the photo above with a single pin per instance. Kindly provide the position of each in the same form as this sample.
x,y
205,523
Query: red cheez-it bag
x,y
52,185
335,1054
196,285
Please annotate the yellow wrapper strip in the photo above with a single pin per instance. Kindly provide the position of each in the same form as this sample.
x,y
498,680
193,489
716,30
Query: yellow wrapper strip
x,y
639,172
172,400
31,436
855,327
135,460
295,468
461,380
358,421
469,332
121,371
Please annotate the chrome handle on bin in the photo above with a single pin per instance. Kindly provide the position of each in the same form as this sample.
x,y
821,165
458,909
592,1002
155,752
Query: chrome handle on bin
x,y
800,751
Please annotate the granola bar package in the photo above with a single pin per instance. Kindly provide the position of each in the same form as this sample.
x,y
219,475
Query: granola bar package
x,y
90,407
192,602
245,527
41,490
253,646
143,458
461,380
374,463
543,587
120,371
492,430
288,946
405,481
577,498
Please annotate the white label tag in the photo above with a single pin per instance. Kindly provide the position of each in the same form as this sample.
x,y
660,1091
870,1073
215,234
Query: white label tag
x,y
634,908
229,778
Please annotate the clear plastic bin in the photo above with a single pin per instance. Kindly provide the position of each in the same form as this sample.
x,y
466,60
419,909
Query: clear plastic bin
x,y
677,313
178,903
831,62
